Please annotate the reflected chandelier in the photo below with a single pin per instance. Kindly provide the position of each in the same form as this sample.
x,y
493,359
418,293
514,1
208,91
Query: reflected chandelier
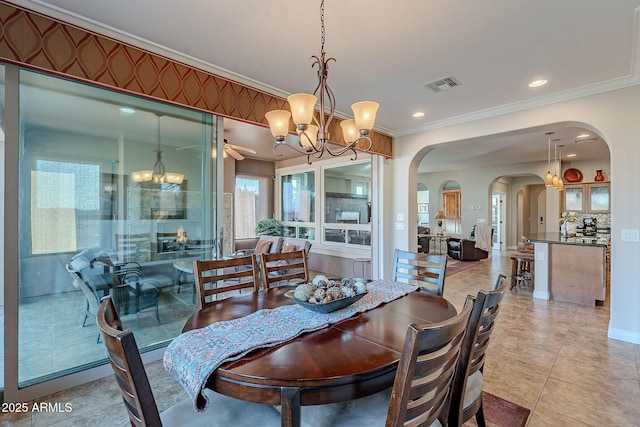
x,y
158,175
313,139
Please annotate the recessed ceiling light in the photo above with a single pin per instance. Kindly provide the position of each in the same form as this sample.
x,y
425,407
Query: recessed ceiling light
x,y
584,135
571,155
418,114
126,111
538,83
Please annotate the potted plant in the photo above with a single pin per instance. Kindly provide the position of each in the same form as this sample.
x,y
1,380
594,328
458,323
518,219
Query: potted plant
x,y
569,224
269,227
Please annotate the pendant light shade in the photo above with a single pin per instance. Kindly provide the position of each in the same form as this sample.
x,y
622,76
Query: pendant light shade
x,y
365,114
349,130
278,123
302,107
308,140
548,180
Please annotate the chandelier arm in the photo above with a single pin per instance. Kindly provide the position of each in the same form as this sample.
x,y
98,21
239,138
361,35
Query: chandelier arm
x,y
351,146
306,153
341,151
317,147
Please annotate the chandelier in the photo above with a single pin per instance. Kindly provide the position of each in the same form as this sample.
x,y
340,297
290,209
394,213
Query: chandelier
x,y
313,139
158,174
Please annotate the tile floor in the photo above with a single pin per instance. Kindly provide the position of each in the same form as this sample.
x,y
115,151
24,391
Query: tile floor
x,y
52,338
554,358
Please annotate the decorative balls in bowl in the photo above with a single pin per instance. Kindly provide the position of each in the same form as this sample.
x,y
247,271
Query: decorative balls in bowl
x,y
325,295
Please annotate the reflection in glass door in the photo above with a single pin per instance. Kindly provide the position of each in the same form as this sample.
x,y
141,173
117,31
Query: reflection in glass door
x,y
104,189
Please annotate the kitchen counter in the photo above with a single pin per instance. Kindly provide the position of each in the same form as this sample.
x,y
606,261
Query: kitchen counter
x,y
597,240
571,269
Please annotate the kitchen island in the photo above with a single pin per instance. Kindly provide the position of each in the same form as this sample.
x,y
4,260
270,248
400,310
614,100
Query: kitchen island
x,y
572,269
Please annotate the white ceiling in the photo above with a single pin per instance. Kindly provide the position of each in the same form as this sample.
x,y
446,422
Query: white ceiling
x,y
386,51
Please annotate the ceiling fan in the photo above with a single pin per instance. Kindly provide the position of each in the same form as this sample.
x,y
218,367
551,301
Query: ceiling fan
x,y
230,149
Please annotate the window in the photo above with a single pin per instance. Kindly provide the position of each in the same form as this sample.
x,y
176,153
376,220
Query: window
x,y
62,195
251,204
297,196
347,204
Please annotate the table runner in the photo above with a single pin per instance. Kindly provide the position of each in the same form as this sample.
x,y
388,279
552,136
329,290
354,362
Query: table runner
x,y
194,355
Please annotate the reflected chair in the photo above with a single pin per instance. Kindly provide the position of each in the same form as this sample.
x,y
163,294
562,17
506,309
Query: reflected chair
x,y
135,389
132,288
424,270
466,394
91,296
222,277
284,267
420,392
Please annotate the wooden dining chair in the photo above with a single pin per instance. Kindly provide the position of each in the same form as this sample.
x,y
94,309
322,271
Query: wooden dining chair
x,y
424,270
466,393
420,392
284,267
135,389
222,278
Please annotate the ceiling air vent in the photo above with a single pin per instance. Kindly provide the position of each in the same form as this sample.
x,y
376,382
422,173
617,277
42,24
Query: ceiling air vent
x,y
443,84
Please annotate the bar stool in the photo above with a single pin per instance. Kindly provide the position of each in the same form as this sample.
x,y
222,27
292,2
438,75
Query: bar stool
x,y
522,267
361,263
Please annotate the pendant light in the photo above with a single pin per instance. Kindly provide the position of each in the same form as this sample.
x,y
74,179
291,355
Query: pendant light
x,y
548,180
560,183
314,139
158,174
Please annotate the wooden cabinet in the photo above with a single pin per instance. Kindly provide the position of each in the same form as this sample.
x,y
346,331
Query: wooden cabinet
x,y
593,197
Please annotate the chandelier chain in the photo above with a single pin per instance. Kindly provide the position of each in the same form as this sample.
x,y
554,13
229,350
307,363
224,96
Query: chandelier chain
x,y
322,33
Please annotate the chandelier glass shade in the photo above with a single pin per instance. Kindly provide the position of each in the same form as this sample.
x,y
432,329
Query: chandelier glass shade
x,y
312,129
158,174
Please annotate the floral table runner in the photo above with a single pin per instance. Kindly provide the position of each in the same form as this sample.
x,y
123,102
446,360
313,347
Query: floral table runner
x,y
194,355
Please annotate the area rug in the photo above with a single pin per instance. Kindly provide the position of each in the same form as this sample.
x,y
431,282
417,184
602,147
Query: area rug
x,y
454,266
501,413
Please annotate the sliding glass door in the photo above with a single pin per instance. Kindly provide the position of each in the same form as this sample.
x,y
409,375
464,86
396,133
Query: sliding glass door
x,y
108,183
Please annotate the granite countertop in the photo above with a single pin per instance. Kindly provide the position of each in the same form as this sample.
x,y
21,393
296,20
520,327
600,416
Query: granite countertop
x,y
598,240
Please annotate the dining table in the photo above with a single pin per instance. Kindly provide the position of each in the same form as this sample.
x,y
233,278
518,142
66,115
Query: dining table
x,y
346,360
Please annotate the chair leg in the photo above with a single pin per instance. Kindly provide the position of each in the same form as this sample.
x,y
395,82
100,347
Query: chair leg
x,y
84,322
480,417
157,313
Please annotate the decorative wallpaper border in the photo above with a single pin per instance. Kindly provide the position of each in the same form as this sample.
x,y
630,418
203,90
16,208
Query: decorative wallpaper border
x,y
32,40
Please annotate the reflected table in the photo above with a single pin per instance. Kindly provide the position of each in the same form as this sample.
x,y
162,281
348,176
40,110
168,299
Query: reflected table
x,y
344,361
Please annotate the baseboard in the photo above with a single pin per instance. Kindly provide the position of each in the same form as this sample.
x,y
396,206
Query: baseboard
x,y
622,335
541,295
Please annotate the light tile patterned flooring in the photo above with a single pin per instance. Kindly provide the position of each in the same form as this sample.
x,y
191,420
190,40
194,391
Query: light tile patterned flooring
x,y
554,358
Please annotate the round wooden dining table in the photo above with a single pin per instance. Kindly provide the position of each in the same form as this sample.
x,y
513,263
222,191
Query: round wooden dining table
x,y
344,361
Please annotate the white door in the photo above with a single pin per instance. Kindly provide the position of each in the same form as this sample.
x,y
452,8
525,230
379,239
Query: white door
x,y
497,213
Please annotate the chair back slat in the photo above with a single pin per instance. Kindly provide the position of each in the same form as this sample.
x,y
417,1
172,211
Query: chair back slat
x,y
284,267
425,371
472,355
127,367
424,270
224,277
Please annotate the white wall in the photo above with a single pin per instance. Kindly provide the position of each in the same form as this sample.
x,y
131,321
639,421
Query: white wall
x,y
615,116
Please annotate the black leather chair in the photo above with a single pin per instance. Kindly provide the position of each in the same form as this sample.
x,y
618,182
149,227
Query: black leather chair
x,y
423,241
465,249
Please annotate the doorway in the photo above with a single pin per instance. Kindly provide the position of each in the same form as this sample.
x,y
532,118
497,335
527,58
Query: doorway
x,y
497,215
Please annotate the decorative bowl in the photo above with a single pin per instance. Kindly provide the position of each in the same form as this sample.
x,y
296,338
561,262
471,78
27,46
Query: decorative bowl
x,y
326,307
572,175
